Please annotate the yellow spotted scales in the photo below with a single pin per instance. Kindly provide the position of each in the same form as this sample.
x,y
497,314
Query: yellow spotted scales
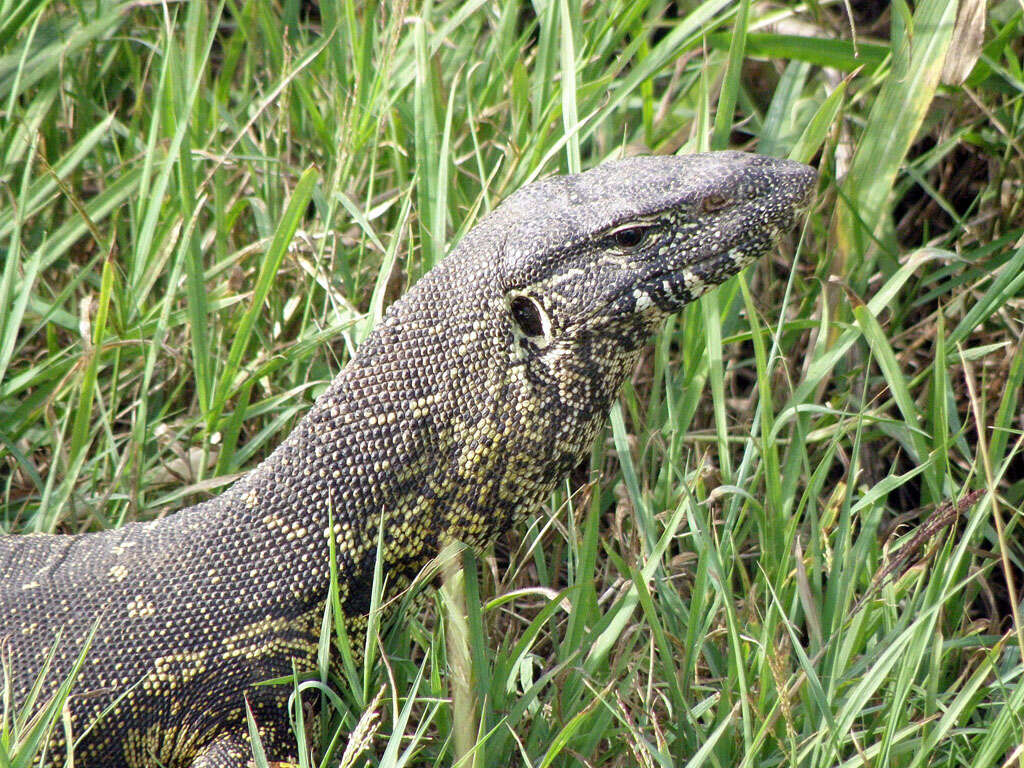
x,y
476,393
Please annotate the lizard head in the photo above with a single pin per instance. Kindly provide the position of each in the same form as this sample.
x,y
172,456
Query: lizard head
x,y
621,247
577,272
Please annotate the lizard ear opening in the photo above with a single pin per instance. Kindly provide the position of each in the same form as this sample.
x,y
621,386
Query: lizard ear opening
x,y
529,317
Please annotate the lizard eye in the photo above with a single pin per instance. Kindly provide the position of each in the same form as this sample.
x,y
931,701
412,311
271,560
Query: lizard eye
x,y
629,238
528,315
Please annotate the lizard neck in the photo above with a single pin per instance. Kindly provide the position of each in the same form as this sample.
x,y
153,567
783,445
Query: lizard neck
x,y
436,431
376,455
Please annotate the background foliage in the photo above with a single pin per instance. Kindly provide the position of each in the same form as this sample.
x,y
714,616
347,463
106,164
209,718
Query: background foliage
x,y
771,560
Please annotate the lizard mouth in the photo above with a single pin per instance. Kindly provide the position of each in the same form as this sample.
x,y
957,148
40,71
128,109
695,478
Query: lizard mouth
x,y
666,291
668,288
672,289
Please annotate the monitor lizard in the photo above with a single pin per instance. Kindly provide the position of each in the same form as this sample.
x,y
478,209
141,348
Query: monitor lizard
x,y
476,392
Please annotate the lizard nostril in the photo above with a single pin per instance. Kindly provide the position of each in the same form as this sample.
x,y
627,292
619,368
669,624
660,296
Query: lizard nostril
x,y
714,202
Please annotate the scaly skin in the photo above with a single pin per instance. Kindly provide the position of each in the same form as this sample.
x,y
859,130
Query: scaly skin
x,y
476,393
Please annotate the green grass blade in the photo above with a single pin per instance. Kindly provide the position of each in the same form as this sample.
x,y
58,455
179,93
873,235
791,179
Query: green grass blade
x,y
293,214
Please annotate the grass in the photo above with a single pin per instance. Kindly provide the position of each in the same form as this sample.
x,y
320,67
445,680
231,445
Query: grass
x,y
205,207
